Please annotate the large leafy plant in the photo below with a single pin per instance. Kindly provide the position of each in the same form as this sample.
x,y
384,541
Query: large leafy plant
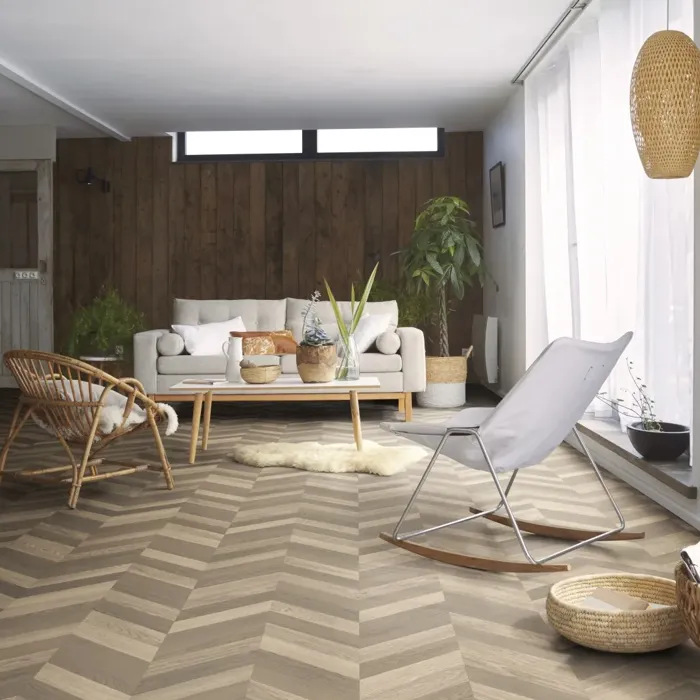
x,y
444,257
105,326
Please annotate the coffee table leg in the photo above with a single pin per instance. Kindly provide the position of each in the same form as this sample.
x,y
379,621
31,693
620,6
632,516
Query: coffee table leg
x,y
356,425
208,398
196,416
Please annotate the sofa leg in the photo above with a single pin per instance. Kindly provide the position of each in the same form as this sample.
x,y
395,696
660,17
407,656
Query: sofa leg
x,y
402,403
408,406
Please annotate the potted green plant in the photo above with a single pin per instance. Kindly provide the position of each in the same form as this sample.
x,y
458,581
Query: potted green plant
x,y
655,440
105,328
348,356
415,310
443,258
316,353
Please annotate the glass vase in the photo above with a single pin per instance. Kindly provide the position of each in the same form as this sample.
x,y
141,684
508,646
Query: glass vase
x,y
348,368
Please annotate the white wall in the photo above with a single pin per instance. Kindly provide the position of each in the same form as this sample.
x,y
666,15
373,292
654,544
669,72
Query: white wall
x,y
27,142
504,140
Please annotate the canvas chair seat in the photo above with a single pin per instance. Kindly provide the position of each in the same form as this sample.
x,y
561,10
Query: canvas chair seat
x,y
534,418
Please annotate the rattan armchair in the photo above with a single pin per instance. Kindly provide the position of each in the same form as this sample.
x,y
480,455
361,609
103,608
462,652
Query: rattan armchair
x,y
86,410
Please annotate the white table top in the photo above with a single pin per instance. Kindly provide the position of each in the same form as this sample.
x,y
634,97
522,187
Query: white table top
x,y
290,384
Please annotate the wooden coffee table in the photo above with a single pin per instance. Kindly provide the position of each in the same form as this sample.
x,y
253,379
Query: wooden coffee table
x,y
286,388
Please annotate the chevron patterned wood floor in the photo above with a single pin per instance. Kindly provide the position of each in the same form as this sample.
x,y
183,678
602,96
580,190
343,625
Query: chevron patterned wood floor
x,y
272,584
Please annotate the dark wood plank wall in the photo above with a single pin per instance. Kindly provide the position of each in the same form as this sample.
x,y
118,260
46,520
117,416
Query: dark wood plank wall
x,y
241,230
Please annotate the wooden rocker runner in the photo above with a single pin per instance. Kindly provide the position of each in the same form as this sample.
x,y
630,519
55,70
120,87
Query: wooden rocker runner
x,y
85,409
529,423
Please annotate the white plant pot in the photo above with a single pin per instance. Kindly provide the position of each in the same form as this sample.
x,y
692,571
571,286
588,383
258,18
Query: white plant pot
x,y
442,395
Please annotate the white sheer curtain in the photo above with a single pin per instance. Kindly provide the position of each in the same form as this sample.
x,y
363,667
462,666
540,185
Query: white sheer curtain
x,y
616,247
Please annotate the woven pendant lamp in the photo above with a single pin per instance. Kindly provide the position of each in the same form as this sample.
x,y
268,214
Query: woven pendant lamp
x,y
665,104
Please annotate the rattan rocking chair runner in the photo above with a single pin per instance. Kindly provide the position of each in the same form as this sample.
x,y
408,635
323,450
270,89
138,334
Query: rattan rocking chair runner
x,y
86,409
529,423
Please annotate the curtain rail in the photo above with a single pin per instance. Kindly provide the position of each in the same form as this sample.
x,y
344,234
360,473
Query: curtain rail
x,y
576,8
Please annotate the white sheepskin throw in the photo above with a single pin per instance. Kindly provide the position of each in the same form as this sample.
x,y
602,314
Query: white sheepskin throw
x,y
112,416
334,458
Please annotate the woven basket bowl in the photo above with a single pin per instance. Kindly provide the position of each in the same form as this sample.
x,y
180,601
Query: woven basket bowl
x,y
623,632
688,598
260,375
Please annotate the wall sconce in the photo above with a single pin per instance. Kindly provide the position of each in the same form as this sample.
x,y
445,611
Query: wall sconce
x,y
88,177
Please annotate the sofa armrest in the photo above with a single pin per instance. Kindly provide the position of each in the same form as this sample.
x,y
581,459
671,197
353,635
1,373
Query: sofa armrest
x,y
146,359
412,353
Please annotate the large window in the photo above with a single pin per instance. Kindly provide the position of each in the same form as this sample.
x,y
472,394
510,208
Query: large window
x,y
297,144
615,248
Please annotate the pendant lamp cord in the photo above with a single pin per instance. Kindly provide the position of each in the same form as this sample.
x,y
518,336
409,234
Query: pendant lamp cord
x,y
668,12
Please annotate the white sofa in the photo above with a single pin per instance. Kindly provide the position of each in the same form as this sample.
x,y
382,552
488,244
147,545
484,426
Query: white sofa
x,y
158,369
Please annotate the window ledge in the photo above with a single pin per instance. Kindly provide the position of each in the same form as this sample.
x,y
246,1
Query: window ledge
x,y
677,475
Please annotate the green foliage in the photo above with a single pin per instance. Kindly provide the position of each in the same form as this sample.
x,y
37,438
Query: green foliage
x,y
444,256
356,308
415,310
106,324
444,249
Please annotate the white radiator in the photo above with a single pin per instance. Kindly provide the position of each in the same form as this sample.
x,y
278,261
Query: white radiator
x,y
485,354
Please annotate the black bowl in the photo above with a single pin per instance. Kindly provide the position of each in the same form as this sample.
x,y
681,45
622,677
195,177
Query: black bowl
x,y
663,445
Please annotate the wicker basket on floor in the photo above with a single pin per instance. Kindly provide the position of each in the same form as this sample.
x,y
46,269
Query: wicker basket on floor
x,y
622,632
688,598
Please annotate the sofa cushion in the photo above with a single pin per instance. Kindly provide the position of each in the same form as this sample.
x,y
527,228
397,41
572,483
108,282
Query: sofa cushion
x,y
324,310
257,314
370,363
370,327
208,338
389,343
170,344
192,364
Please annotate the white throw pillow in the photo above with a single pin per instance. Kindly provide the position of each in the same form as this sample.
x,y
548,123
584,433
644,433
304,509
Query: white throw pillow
x,y
389,342
208,338
369,329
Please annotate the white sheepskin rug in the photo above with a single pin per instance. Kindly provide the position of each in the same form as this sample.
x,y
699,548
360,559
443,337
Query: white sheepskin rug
x,y
334,458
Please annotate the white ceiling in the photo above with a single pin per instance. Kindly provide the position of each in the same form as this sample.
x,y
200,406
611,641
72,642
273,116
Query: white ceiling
x,y
147,67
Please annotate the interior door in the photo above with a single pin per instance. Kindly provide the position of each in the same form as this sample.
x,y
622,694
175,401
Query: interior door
x,y
26,235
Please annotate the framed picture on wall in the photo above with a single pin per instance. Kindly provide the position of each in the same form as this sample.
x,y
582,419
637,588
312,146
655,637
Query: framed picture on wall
x,y
497,185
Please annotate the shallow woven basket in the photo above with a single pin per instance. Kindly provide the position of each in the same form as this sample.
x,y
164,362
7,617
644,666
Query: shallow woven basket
x,y
260,375
688,598
623,632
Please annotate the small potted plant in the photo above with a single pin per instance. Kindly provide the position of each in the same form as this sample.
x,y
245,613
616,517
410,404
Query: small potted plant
x,y
104,329
655,440
316,353
444,256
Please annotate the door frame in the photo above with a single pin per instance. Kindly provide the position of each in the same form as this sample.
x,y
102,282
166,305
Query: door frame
x,y
44,223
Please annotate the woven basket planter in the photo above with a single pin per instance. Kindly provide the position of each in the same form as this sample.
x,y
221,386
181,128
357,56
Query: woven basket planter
x,y
622,632
260,375
665,104
446,377
688,598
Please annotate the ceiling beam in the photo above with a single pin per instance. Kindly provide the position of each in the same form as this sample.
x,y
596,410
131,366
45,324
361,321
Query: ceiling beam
x,y
17,76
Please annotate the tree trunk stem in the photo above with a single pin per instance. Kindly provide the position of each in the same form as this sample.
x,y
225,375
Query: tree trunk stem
x,y
442,324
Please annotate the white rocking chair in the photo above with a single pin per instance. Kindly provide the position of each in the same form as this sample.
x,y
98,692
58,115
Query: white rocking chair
x,y
526,426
